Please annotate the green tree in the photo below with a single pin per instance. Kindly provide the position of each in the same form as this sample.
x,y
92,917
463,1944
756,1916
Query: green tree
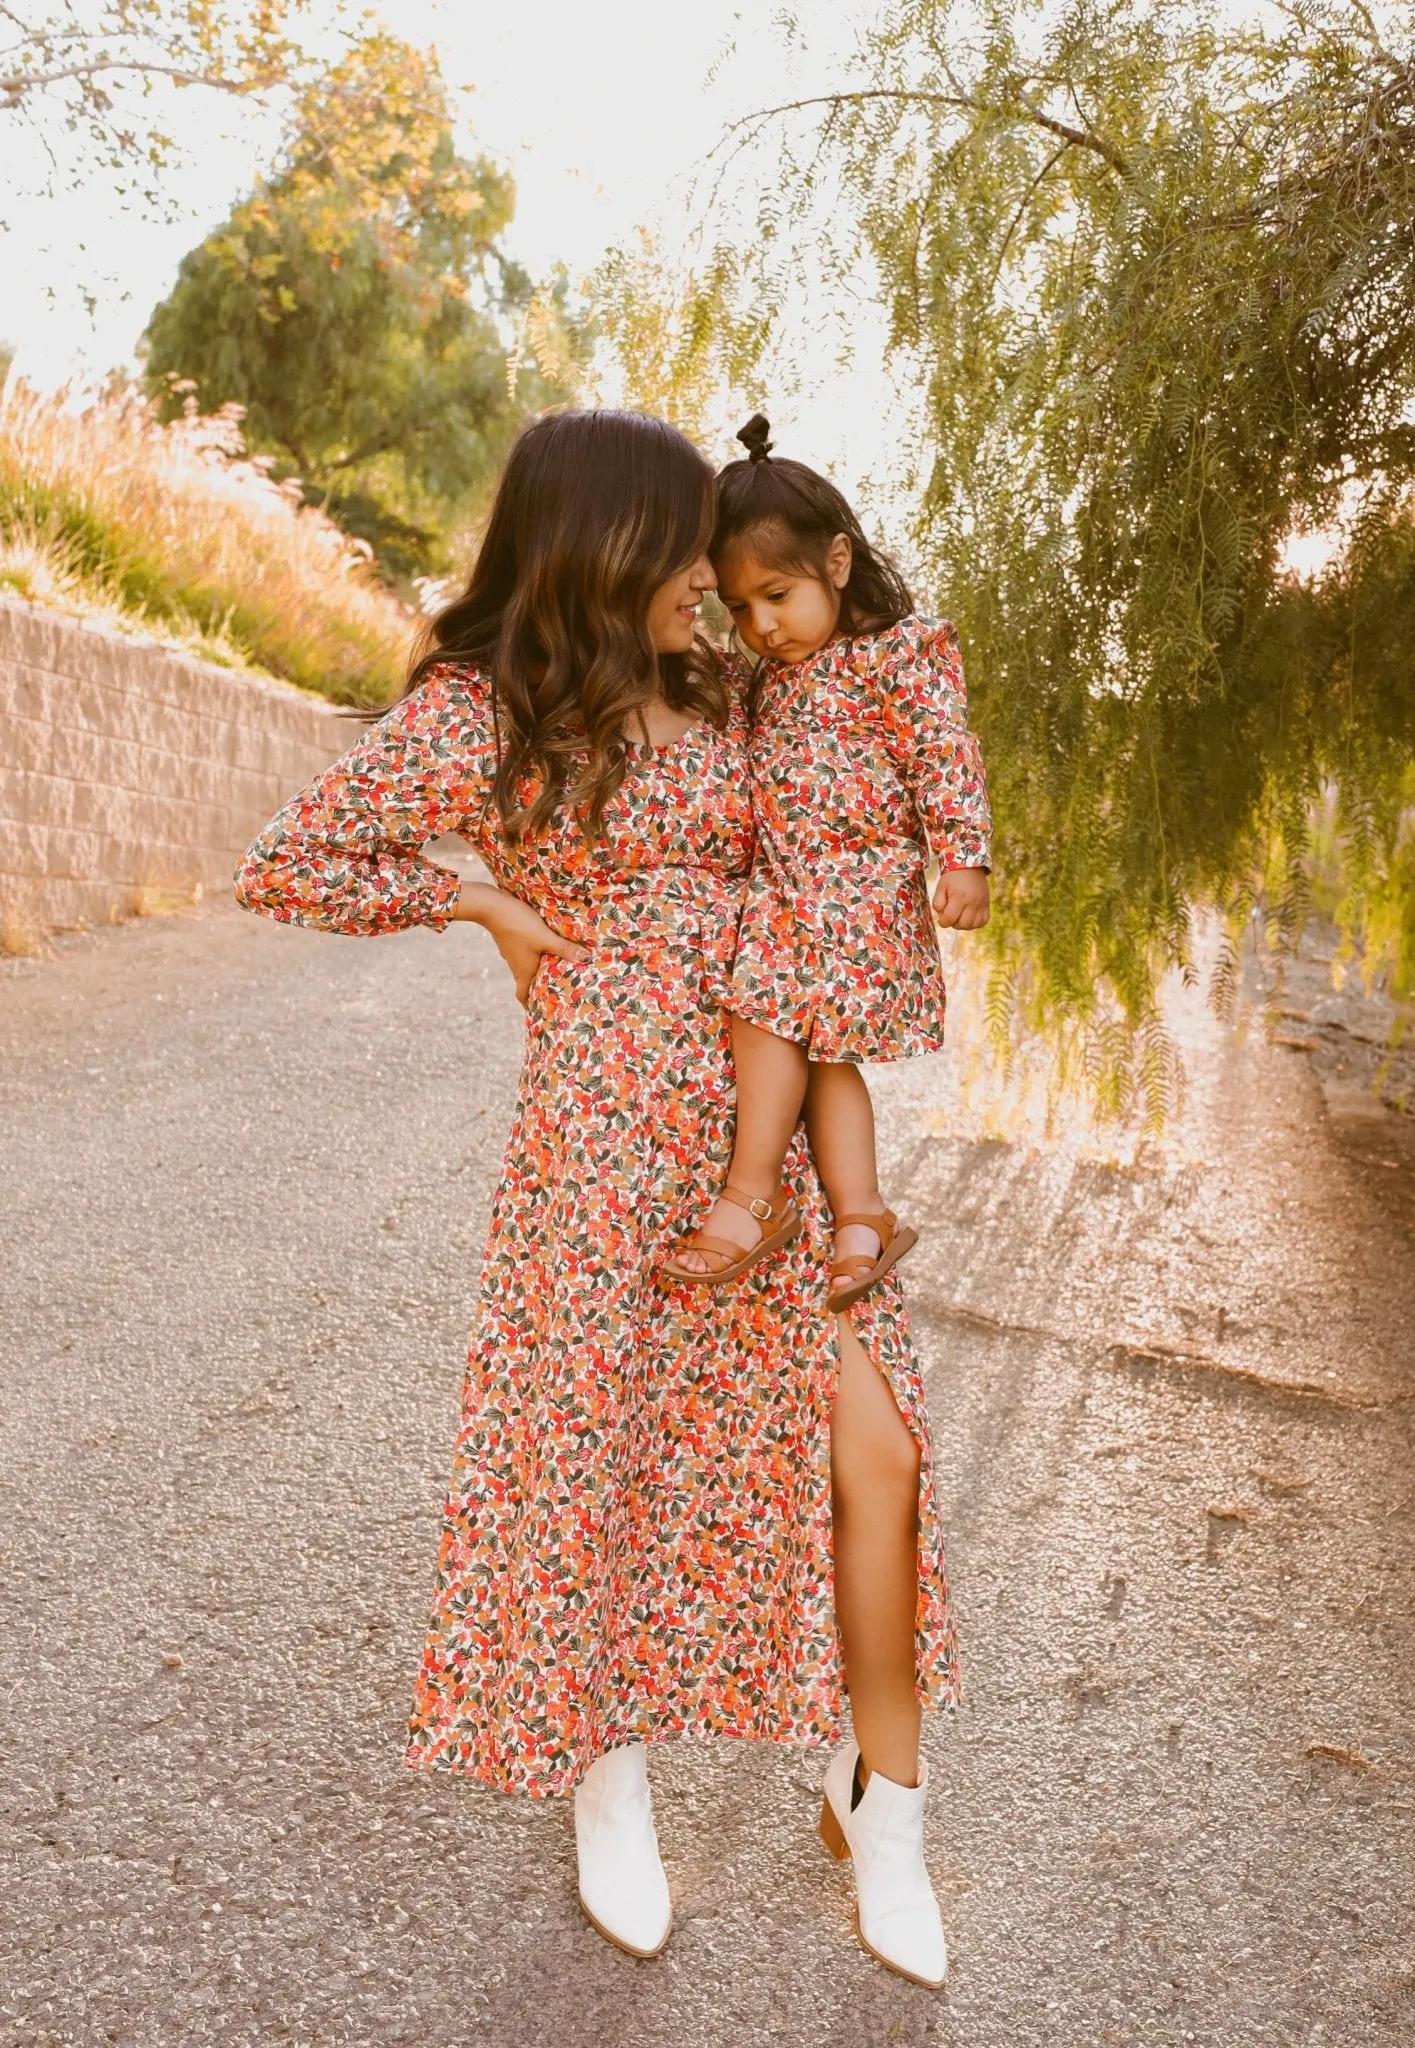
x,y
352,305
1154,270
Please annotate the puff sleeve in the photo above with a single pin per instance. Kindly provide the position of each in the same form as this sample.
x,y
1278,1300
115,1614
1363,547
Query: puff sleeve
x,y
346,854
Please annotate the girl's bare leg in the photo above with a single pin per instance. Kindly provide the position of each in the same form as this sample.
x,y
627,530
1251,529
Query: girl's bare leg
x,y
874,1473
840,1123
771,1084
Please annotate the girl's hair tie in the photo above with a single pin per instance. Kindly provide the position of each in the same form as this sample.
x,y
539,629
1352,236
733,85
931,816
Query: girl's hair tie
x,y
756,437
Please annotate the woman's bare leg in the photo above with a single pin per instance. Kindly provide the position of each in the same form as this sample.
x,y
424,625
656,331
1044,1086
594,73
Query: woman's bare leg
x,y
771,1084
874,1474
840,1123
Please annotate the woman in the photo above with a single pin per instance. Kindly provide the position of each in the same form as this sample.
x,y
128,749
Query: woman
x,y
638,1536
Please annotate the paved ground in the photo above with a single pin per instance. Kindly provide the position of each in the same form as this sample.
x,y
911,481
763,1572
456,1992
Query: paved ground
x,y
245,1176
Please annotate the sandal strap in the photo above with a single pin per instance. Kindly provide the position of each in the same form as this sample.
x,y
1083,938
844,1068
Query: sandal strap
x,y
857,1268
768,1216
716,1248
756,1206
883,1223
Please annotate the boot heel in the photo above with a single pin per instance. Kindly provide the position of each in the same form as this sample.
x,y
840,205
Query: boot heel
x,y
832,1834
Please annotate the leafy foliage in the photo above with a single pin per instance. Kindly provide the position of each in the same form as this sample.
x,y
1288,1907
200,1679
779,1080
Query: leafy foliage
x,y
95,65
351,307
660,325
1154,270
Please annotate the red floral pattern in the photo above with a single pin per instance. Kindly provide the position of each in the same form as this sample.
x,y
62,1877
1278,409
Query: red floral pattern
x,y
637,1534
861,760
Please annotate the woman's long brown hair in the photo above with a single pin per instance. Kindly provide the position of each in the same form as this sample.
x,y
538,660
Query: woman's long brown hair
x,y
594,511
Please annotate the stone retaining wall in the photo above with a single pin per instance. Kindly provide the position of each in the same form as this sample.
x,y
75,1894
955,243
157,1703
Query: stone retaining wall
x,y
129,773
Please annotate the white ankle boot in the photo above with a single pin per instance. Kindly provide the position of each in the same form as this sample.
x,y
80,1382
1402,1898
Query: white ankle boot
x,y
622,1886
895,1909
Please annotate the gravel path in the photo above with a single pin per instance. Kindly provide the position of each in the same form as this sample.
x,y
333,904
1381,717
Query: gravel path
x,y
245,1181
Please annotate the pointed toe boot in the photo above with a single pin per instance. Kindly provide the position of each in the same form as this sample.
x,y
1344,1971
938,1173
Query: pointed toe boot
x,y
623,1889
883,1835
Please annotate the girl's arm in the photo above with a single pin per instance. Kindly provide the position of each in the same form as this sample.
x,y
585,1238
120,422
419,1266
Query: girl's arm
x,y
926,726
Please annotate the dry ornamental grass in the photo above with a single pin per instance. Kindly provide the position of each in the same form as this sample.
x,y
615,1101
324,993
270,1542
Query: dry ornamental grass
x,y
175,532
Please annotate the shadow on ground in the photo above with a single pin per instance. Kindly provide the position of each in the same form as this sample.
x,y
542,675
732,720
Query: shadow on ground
x,y
246,1181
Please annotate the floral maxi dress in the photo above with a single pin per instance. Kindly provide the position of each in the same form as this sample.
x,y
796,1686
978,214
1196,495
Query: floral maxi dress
x,y
636,1541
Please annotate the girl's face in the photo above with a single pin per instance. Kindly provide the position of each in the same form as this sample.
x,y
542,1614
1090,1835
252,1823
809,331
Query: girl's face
x,y
674,607
786,613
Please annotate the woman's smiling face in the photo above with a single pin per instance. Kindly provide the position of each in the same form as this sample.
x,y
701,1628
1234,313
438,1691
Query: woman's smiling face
x,y
788,614
675,605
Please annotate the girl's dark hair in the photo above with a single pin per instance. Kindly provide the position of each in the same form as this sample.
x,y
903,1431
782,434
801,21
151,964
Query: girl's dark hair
x,y
791,514
593,512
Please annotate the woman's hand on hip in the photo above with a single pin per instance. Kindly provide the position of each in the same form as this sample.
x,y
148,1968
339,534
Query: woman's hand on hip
x,y
522,936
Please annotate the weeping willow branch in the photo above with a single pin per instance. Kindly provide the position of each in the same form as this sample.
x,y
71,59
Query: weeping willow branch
x,y
1020,110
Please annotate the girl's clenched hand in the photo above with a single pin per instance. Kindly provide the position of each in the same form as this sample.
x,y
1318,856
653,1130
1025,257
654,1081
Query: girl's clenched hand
x,y
962,899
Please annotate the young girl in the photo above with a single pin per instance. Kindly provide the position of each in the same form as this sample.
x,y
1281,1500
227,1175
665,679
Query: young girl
x,y
861,763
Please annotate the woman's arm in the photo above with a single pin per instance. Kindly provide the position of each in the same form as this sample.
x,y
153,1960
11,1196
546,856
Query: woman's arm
x,y
347,853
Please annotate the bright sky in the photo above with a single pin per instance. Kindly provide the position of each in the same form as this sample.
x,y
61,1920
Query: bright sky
x,y
603,113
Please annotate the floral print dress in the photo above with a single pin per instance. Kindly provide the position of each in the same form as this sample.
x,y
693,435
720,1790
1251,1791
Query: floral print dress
x,y
636,1541
861,762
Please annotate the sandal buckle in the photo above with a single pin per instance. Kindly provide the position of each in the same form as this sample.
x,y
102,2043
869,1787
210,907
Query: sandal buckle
x,y
763,1211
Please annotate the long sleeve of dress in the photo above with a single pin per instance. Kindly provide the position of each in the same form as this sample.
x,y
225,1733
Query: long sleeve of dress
x,y
346,854
926,726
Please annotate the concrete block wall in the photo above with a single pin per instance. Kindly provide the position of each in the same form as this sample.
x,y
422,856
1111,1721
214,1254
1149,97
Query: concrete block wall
x,y
127,770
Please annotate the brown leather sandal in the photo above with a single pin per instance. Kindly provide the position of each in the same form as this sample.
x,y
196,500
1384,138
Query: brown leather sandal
x,y
861,1273
780,1222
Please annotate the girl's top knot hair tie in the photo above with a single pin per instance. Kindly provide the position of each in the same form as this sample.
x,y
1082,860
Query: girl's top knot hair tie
x,y
756,437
